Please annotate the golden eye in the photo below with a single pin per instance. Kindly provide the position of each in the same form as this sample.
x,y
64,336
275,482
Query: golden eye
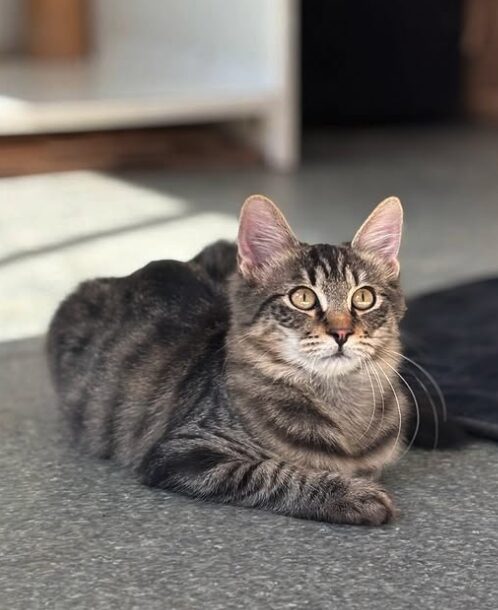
x,y
363,298
303,298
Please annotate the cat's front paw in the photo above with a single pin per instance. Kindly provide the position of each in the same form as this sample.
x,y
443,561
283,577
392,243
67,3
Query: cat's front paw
x,y
366,503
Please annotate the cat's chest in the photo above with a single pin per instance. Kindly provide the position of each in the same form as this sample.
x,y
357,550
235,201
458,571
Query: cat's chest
x,y
339,428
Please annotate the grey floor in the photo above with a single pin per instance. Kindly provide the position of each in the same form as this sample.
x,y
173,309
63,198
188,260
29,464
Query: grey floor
x,y
446,178
78,533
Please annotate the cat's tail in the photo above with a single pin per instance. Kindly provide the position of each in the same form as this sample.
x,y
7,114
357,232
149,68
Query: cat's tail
x,y
219,260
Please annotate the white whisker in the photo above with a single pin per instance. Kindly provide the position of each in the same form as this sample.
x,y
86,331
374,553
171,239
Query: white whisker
x,y
374,408
430,378
415,402
434,411
381,390
398,406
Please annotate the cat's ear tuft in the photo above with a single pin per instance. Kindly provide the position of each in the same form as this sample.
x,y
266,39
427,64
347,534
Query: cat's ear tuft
x,y
264,235
380,234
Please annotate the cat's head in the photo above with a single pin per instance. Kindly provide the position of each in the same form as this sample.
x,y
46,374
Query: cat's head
x,y
321,308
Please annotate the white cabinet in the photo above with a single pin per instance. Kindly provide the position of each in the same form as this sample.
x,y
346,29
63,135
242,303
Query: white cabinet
x,y
161,62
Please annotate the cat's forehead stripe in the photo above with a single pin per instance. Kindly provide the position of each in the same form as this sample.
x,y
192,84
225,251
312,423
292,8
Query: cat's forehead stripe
x,y
326,266
324,258
330,262
322,276
310,271
320,264
350,275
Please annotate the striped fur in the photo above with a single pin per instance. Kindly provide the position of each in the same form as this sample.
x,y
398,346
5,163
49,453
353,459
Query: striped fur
x,y
208,384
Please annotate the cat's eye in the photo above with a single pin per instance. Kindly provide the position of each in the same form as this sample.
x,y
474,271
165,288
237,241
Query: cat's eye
x,y
363,298
303,298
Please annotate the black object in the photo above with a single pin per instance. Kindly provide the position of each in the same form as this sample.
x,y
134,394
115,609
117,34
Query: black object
x,y
453,333
369,61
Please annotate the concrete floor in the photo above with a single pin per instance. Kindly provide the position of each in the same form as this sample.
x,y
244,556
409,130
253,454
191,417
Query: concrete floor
x,y
60,229
78,533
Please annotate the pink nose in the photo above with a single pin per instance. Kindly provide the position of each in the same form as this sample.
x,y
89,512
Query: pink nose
x,y
341,335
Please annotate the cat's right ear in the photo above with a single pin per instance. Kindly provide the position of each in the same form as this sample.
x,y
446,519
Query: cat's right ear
x,y
264,236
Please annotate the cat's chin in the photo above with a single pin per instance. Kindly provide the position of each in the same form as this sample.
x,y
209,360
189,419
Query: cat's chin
x,y
335,365
339,364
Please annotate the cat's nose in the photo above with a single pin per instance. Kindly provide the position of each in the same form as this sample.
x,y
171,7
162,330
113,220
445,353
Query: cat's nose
x,y
339,326
341,335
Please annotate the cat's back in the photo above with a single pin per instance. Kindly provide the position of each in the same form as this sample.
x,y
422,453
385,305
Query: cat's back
x,y
119,347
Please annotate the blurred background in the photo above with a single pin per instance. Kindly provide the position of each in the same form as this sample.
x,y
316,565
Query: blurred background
x,y
133,131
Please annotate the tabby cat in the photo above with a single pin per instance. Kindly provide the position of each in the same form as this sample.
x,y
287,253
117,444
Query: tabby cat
x,y
263,375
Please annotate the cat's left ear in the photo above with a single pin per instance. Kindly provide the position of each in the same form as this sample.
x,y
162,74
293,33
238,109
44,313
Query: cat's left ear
x,y
380,234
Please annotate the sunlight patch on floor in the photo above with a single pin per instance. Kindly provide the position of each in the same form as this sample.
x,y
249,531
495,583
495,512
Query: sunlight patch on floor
x,y
37,210
70,227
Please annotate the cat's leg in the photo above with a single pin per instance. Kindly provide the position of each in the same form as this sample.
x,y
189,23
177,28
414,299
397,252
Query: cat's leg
x,y
206,472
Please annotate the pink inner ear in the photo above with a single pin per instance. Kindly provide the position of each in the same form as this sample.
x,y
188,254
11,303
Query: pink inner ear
x,y
381,233
263,233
